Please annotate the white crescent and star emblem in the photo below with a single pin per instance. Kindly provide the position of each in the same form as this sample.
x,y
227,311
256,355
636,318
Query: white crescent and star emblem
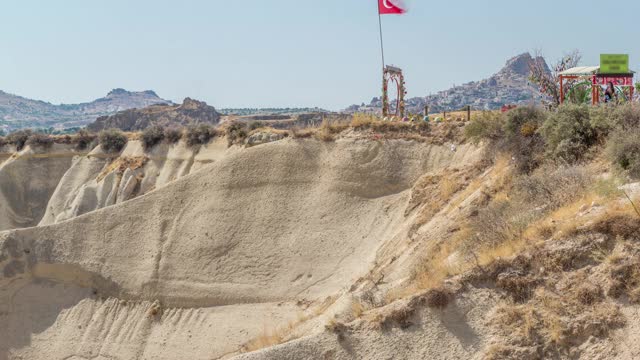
x,y
385,3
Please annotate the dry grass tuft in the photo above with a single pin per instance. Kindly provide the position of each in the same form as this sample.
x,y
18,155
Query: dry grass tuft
x,y
275,337
335,326
328,130
267,339
362,121
298,133
357,309
121,164
438,298
588,294
623,225
520,288
400,316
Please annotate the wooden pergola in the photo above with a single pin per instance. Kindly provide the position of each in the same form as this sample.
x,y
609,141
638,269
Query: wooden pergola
x,y
597,79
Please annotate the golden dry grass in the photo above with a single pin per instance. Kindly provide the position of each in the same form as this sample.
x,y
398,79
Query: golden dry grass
x,y
272,337
357,309
120,164
267,339
454,115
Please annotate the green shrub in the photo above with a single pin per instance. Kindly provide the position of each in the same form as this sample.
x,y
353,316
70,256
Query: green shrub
x,y
551,187
606,118
600,120
152,136
19,138
112,140
41,140
488,126
522,139
568,133
523,121
236,133
84,139
172,134
255,125
623,149
199,134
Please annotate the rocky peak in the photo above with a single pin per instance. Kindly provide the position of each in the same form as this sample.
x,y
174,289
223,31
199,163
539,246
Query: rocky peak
x,y
192,104
118,92
520,65
188,113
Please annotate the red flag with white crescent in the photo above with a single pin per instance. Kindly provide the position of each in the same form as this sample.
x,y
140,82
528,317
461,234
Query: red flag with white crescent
x,y
391,7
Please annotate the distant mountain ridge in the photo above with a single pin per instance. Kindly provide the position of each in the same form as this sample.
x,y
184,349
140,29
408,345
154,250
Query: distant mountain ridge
x,y
19,112
510,85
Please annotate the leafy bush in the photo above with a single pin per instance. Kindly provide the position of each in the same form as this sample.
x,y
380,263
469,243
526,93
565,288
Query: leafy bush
x,y
488,126
84,139
623,149
568,133
255,125
600,120
236,133
112,140
19,138
151,136
550,187
530,197
199,134
606,118
172,135
41,140
522,138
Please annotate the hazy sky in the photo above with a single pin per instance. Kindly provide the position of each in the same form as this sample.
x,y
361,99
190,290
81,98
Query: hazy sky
x,y
259,53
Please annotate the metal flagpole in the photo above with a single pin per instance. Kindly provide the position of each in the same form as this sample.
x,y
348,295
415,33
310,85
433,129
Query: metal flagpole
x,y
381,43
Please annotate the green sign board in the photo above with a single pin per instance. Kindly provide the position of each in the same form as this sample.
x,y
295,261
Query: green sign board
x,y
614,63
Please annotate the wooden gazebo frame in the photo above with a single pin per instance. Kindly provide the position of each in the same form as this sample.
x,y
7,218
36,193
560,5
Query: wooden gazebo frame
x,y
592,73
393,74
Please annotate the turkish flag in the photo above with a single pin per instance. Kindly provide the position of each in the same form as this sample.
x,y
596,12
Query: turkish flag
x,y
391,7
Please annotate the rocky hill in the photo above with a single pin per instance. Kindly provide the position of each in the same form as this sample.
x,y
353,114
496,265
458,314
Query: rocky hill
x,y
510,85
18,112
190,112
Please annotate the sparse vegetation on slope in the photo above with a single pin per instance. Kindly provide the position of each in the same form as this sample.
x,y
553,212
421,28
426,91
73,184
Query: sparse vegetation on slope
x,y
236,133
112,140
84,139
41,140
623,149
19,138
152,136
199,134
172,134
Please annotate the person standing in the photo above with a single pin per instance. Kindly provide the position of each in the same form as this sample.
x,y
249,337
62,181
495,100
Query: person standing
x,y
610,94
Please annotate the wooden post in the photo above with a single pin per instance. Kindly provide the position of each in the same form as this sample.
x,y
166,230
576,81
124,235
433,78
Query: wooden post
x,y
444,115
468,112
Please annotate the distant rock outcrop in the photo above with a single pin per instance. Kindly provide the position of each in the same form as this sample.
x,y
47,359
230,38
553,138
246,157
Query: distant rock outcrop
x,y
18,112
509,86
190,112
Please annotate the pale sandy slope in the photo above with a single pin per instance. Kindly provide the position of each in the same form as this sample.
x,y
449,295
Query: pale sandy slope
x,y
232,249
95,181
27,180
